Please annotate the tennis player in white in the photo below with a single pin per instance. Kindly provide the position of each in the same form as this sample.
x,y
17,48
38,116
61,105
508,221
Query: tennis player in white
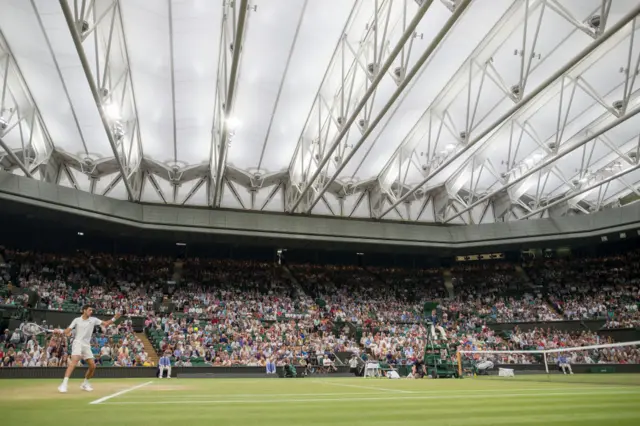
x,y
81,347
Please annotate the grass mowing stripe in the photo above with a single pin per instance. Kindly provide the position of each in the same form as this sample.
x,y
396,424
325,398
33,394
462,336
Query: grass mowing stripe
x,y
362,387
122,392
177,394
387,398
250,395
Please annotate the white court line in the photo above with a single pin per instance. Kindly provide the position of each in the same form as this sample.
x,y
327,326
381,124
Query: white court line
x,y
122,392
362,387
388,398
150,393
249,395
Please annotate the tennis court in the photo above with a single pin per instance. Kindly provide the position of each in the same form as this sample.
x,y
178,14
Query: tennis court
x,y
527,400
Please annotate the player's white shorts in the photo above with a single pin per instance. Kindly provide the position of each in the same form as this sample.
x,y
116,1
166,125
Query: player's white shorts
x,y
81,349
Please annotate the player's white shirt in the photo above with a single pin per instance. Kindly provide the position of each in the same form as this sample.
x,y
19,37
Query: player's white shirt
x,y
84,329
393,375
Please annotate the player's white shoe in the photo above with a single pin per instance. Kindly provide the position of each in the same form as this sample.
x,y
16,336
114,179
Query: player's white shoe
x,y
86,387
62,389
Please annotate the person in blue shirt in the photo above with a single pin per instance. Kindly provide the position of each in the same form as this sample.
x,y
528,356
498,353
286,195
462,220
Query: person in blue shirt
x,y
563,363
435,325
164,364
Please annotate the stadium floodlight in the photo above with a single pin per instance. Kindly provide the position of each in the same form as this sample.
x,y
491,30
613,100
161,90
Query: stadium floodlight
x,y
233,122
81,234
112,110
181,244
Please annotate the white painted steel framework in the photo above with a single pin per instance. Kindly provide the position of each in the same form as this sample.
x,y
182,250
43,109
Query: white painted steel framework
x,y
431,110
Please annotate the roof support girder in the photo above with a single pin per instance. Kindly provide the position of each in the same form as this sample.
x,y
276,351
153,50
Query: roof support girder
x,y
517,191
371,125
111,86
572,195
317,151
14,158
536,94
231,39
561,154
20,119
436,118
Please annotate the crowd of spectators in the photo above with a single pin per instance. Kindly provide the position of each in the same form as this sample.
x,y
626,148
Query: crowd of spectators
x,y
496,292
605,287
243,340
362,295
229,313
117,345
66,282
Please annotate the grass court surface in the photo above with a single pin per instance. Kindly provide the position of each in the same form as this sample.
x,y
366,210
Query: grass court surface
x,y
523,400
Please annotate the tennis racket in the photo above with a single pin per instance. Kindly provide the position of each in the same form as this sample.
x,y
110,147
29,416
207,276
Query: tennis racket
x,y
33,329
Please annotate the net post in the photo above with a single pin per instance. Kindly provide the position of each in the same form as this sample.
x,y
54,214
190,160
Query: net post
x,y
459,359
546,366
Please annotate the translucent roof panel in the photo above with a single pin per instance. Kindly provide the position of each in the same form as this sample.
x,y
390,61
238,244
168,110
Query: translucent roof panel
x,y
405,110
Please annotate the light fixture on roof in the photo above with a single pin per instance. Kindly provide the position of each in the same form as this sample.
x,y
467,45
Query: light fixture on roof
x,y
181,244
594,21
450,147
4,120
112,111
233,122
81,234
398,72
118,130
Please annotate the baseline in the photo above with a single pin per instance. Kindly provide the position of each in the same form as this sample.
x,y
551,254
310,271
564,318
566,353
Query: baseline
x,y
122,392
361,387
387,398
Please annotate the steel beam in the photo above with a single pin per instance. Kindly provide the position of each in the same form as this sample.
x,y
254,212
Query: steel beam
x,y
20,114
581,191
15,159
480,59
95,90
549,162
379,75
229,99
459,10
518,106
